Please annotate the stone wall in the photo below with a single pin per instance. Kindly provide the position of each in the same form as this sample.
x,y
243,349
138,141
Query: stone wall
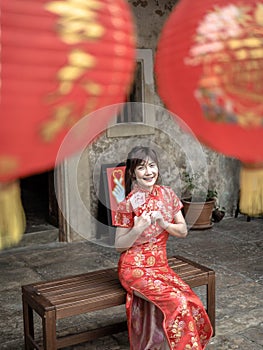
x,y
178,149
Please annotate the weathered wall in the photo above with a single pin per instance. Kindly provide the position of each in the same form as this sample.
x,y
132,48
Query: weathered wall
x,y
170,140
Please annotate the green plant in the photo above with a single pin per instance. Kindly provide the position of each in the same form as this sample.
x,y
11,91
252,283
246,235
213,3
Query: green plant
x,y
196,188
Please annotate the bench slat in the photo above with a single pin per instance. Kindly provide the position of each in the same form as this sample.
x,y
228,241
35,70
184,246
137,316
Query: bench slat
x,y
103,286
79,288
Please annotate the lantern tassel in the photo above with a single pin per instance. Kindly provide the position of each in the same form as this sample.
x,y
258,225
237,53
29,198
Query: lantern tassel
x,y
251,189
12,216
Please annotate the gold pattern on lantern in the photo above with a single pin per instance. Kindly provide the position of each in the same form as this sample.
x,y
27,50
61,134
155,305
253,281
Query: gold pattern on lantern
x,y
259,14
77,23
70,73
93,88
247,42
61,119
241,54
92,4
234,94
249,119
83,59
8,164
79,61
65,87
68,11
78,20
256,54
93,31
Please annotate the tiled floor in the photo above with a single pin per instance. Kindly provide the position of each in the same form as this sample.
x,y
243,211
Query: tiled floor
x,y
233,248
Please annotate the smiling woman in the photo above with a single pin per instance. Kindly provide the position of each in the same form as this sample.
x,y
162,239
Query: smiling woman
x,y
163,312
141,161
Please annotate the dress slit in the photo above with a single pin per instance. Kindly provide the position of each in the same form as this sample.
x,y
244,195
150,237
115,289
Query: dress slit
x,y
150,326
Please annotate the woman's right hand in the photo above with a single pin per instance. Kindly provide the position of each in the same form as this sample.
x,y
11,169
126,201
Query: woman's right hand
x,y
125,237
142,222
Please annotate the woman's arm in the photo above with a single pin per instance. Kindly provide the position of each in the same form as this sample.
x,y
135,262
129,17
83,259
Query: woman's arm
x,y
125,237
178,229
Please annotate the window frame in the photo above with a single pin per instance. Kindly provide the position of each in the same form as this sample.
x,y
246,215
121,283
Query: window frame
x,y
145,57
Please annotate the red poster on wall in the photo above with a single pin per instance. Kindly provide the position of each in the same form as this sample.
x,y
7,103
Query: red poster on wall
x,y
116,188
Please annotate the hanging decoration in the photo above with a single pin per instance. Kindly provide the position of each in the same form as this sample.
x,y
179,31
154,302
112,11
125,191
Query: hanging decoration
x,y
59,61
209,71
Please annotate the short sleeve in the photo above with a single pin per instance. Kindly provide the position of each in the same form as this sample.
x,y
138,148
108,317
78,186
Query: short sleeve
x,y
178,205
172,202
124,215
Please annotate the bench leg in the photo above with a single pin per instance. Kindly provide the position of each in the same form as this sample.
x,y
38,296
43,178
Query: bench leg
x,y
28,324
49,330
211,302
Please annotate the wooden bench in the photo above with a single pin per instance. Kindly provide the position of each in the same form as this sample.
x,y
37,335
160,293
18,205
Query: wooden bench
x,y
97,290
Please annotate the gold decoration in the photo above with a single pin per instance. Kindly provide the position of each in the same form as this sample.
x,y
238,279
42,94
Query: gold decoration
x,y
12,217
137,273
60,120
191,326
91,4
151,260
232,93
246,42
259,14
79,58
65,87
251,193
93,88
76,24
70,73
77,20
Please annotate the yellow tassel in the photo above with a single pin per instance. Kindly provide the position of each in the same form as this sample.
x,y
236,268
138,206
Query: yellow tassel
x,y
12,216
251,189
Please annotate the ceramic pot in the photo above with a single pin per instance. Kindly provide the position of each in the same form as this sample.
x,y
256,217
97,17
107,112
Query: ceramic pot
x,y
198,215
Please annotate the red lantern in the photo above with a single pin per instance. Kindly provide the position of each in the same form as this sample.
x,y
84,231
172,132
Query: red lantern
x,y
209,72
60,60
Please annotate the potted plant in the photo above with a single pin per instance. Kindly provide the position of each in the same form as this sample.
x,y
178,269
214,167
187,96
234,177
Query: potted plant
x,y
218,214
199,201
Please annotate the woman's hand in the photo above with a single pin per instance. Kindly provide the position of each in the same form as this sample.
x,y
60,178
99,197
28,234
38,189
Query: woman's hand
x,y
156,216
125,237
178,228
143,221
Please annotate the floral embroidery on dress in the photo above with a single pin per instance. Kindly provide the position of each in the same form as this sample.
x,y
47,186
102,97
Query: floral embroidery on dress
x,y
179,317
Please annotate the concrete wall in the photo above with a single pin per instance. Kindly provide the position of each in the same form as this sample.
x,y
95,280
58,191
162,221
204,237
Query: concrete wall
x,y
178,150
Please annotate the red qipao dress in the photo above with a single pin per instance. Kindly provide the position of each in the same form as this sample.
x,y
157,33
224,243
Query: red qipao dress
x,y
162,311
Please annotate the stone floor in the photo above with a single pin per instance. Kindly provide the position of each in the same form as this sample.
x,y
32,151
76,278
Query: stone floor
x,y
233,248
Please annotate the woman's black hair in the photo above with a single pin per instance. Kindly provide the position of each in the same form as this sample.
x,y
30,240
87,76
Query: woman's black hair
x,y
135,157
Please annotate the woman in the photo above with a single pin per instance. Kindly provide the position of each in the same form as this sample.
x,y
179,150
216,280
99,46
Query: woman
x,y
162,311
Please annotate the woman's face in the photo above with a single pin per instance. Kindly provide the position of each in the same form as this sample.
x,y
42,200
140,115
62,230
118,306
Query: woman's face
x,y
146,174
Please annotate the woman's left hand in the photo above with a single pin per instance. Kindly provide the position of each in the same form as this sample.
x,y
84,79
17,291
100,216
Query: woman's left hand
x,y
156,216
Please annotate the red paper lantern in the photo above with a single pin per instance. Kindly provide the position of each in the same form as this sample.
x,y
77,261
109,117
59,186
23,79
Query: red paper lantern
x,y
209,66
59,61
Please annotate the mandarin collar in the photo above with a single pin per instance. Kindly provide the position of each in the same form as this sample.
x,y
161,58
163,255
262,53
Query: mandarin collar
x,y
154,191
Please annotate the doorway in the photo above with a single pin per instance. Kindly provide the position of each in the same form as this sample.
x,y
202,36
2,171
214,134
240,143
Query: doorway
x,y
39,202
